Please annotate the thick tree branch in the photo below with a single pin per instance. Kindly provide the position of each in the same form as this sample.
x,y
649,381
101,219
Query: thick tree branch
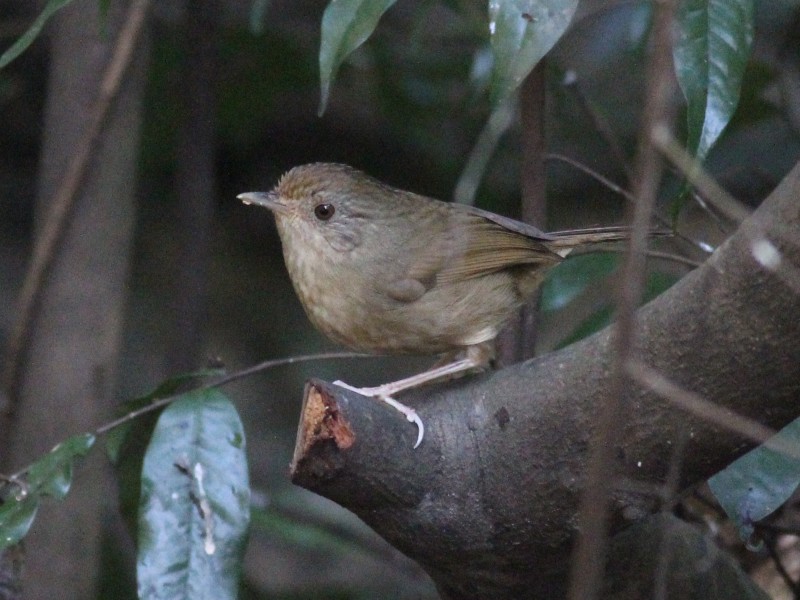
x,y
487,504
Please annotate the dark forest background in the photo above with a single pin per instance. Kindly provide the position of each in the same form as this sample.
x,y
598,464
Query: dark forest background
x,y
222,98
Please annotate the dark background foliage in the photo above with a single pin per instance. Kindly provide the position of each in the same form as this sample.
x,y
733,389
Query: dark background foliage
x,y
408,107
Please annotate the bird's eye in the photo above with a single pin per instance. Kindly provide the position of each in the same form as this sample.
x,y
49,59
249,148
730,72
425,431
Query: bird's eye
x,y
324,211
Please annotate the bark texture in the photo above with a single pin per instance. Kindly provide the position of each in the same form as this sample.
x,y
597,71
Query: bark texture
x,y
487,503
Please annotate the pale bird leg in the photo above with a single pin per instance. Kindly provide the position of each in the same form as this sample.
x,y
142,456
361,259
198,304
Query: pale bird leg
x,y
409,412
386,391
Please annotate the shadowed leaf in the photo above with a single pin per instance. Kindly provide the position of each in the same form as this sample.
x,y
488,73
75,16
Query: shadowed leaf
x,y
50,476
27,38
346,25
522,32
711,52
758,483
195,501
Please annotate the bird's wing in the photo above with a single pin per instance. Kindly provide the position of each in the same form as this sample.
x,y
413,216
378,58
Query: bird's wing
x,y
492,247
424,253
463,244
507,223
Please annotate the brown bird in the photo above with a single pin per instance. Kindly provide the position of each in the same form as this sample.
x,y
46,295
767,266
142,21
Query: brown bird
x,y
386,271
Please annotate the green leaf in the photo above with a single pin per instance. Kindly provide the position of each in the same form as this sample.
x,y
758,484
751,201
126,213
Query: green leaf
x,y
115,439
346,24
27,38
758,483
127,444
128,460
522,32
51,475
711,52
573,276
16,518
195,501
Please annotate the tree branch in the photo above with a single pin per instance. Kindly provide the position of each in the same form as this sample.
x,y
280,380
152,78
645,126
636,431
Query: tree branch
x,y
495,486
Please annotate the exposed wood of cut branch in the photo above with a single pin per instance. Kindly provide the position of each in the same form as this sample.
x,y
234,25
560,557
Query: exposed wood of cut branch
x,y
494,487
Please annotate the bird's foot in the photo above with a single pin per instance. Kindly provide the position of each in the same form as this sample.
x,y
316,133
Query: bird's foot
x,y
379,393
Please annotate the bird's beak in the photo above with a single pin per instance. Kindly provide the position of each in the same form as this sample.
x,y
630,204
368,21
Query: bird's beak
x,y
266,199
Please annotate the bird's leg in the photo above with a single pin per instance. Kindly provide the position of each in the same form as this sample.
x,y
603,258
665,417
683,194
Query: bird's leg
x,y
409,412
476,356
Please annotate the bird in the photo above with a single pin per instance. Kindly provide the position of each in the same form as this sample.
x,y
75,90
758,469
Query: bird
x,y
386,271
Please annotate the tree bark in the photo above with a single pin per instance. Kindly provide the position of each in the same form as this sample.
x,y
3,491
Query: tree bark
x,y
65,381
487,504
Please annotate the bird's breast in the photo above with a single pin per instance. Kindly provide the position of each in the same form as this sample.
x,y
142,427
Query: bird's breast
x,y
331,294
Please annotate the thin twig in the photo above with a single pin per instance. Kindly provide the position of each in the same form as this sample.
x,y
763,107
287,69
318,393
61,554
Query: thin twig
x,y
674,258
618,189
713,192
672,484
707,411
517,342
224,380
718,221
603,127
588,559
66,195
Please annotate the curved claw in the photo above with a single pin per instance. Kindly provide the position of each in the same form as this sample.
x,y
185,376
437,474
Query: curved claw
x,y
410,414
413,417
421,427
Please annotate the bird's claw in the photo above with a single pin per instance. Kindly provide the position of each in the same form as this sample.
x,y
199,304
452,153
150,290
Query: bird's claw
x,y
420,427
410,414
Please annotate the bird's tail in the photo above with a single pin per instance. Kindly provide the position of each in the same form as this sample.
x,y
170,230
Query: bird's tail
x,y
563,242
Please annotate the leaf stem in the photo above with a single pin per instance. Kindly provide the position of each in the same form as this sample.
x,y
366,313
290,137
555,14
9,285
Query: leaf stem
x,y
15,479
